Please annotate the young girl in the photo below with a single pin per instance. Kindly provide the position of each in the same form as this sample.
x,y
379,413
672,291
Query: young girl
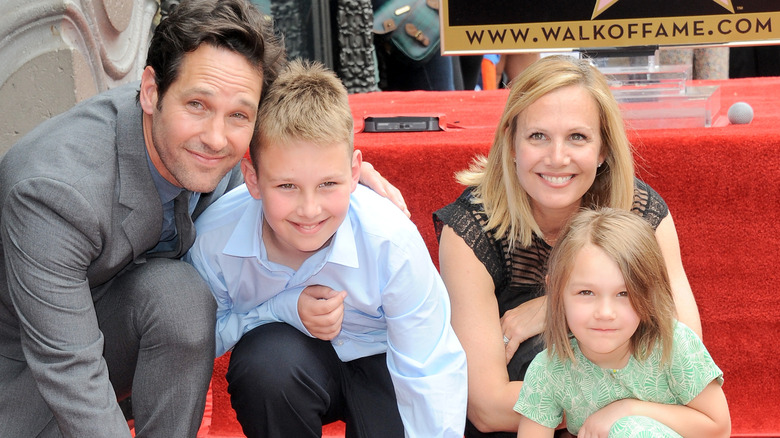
x,y
618,364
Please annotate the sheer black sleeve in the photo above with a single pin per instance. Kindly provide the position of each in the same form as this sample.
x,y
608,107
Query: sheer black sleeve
x,y
649,204
467,219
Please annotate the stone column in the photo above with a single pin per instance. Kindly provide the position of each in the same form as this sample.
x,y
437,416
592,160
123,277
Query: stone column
x,y
55,53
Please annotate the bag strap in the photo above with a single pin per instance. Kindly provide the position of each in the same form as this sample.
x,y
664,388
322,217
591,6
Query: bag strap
x,y
417,34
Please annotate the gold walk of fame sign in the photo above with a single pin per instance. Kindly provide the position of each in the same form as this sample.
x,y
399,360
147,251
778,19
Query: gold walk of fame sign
x,y
505,26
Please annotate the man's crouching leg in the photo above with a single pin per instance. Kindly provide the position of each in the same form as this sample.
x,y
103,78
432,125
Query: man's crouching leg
x,y
158,321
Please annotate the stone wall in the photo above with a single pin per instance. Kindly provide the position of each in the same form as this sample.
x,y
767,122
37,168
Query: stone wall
x,y
55,53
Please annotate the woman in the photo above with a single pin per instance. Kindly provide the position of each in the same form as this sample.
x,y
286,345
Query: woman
x,y
560,146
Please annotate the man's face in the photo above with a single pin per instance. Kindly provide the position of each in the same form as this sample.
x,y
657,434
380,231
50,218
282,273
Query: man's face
x,y
203,125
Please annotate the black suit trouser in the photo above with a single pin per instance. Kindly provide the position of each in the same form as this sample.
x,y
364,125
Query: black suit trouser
x,y
284,384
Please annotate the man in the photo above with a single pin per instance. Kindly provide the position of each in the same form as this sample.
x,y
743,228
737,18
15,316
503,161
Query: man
x,y
94,203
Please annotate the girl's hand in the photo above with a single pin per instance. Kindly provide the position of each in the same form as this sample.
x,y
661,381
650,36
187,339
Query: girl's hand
x,y
601,421
521,323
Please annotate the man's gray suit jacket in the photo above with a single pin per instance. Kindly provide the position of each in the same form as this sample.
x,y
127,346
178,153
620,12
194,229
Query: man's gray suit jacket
x,y
77,207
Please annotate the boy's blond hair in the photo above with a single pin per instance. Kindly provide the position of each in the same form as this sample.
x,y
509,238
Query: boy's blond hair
x,y
307,102
630,241
495,180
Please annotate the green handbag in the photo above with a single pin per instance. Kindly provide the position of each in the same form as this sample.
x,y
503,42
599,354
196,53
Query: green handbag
x,y
410,27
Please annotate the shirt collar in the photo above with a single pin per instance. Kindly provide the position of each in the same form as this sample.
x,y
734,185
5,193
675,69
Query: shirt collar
x,y
165,189
246,239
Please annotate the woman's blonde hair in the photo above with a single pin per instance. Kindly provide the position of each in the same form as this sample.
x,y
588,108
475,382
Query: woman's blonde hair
x,y
630,241
495,181
307,101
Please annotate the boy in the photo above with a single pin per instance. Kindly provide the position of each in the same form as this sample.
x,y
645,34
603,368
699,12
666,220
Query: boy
x,y
276,250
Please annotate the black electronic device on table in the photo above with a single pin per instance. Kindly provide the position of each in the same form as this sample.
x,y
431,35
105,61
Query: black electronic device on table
x,y
401,123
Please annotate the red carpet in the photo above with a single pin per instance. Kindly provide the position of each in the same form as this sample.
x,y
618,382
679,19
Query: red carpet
x,y
722,186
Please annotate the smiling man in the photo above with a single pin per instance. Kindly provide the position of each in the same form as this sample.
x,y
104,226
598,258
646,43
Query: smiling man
x,y
96,208
94,298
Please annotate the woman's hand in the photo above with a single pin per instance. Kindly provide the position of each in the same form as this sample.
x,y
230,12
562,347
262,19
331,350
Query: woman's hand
x,y
521,323
491,395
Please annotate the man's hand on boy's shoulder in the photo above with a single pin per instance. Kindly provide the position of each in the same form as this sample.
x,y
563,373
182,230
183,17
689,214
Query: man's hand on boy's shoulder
x,y
371,178
322,310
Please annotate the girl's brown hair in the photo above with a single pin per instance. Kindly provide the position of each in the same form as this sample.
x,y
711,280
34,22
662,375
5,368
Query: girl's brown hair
x,y
630,242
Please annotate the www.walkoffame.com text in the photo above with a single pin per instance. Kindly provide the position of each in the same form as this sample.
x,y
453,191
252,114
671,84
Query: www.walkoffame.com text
x,y
639,31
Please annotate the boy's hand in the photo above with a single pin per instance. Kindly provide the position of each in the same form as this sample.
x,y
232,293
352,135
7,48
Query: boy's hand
x,y
322,310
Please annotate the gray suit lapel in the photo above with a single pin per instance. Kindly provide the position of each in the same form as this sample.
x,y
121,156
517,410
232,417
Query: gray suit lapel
x,y
137,193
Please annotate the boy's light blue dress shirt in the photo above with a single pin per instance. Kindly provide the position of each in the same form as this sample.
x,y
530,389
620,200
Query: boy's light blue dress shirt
x,y
396,301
